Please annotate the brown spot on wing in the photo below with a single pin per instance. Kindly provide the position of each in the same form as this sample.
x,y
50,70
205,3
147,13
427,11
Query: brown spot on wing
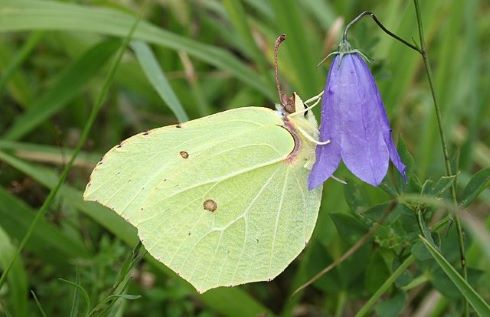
x,y
210,205
184,154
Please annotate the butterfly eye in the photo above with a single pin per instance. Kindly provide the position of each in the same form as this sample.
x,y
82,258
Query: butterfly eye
x,y
281,113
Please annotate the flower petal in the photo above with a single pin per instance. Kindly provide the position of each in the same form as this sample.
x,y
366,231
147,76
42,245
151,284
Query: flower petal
x,y
363,147
386,128
327,161
395,158
327,156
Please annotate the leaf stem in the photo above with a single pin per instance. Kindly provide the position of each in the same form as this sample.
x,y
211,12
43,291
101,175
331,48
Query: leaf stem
x,y
445,152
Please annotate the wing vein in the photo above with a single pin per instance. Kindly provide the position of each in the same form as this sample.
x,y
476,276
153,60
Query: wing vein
x,y
277,220
267,182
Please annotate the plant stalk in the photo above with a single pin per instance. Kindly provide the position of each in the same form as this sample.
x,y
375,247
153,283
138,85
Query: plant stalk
x,y
425,57
445,152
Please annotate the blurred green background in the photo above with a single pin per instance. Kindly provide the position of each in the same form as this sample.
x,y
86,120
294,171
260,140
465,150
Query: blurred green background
x,y
217,55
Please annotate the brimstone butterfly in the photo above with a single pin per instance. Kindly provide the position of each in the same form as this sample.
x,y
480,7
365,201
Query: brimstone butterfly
x,y
222,200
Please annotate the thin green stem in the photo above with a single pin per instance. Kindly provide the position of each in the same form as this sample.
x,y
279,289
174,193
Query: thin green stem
x,y
445,152
83,137
341,301
378,22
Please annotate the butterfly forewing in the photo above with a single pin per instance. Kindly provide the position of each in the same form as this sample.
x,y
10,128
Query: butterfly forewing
x,y
218,200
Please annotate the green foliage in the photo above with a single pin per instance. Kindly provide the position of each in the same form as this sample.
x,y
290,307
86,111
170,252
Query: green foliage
x,y
193,58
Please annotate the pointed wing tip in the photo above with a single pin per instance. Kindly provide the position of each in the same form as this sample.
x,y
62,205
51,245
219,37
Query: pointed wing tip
x,y
87,195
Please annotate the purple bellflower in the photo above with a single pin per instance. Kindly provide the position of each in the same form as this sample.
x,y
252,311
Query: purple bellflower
x,y
353,118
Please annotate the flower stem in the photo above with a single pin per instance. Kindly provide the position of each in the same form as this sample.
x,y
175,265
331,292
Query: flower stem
x,y
378,22
449,171
423,52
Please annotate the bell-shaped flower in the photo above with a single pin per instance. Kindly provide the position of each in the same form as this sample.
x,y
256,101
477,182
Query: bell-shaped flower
x,y
353,118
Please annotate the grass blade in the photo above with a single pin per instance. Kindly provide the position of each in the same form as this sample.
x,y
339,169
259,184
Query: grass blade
x,y
48,154
82,291
238,18
38,304
157,78
17,280
93,114
76,297
477,184
65,88
48,242
25,15
19,57
473,298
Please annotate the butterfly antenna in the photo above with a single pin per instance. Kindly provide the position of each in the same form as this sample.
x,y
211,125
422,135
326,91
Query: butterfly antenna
x,y
287,102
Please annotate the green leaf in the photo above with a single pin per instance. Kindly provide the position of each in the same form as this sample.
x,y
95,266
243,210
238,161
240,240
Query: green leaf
x,y
25,15
376,272
350,228
375,213
238,18
356,196
48,242
391,306
17,294
48,153
443,284
420,252
366,308
477,184
157,78
473,298
442,185
19,57
67,86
